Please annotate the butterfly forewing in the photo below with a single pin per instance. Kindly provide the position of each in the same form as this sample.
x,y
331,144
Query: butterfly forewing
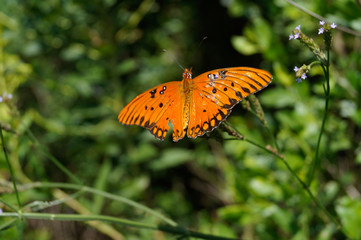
x,y
217,92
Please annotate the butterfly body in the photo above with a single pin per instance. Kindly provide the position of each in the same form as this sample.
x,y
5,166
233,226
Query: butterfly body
x,y
193,106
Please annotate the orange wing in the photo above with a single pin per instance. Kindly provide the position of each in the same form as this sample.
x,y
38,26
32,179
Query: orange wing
x,y
217,92
153,110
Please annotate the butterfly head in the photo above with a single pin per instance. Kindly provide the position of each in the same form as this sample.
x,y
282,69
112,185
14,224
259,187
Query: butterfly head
x,y
187,74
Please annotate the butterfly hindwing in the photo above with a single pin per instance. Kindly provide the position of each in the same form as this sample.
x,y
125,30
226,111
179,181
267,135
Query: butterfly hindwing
x,y
173,112
152,109
205,115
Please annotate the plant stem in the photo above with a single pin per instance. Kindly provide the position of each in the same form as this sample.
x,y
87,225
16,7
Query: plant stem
x,y
231,131
102,193
183,232
236,134
316,162
52,158
77,217
187,233
10,168
342,28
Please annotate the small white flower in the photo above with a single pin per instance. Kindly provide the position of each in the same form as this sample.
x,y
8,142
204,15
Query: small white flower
x,y
297,35
304,76
1,99
290,37
4,94
333,25
321,30
298,28
10,96
296,69
322,23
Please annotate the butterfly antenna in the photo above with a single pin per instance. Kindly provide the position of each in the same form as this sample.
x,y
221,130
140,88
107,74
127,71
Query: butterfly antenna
x,y
173,58
200,43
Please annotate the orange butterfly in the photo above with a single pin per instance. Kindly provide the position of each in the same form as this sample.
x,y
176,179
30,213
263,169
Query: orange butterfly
x,y
193,106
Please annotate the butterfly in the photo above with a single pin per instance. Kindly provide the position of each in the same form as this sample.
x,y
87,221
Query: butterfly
x,y
193,106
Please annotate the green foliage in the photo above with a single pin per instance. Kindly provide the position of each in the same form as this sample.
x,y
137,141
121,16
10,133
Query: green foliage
x,y
349,211
71,66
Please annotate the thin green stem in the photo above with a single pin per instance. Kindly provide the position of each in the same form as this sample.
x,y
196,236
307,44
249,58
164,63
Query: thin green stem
x,y
273,138
8,224
39,205
342,28
268,131
10,168
236,134
316,162
314,63
233,132
187,233
75,217
8,205
52,158
314,199
102,193
78,217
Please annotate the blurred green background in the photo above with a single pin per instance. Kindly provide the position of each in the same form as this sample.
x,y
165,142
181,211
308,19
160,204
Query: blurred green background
x,y
72,65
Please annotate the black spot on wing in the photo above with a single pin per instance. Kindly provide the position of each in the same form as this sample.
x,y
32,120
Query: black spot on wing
x,y
152,93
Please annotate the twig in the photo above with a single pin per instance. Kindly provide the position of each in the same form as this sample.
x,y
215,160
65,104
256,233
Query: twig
x,y
344,29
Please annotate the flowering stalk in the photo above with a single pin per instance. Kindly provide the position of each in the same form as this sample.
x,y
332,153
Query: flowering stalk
x,y
301,74
309,42
5,97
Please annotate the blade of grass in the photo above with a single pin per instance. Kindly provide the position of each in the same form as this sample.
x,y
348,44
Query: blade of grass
x,y
52,158
102,193
75,217
10,168
9,224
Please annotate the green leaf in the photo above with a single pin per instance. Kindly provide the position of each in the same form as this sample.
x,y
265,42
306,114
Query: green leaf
x,y
73,52
265,188
171,158
142,153
349,211
278,97
242,45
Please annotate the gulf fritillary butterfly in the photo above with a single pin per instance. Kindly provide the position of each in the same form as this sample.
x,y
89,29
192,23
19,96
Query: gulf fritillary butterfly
x,y
193,106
